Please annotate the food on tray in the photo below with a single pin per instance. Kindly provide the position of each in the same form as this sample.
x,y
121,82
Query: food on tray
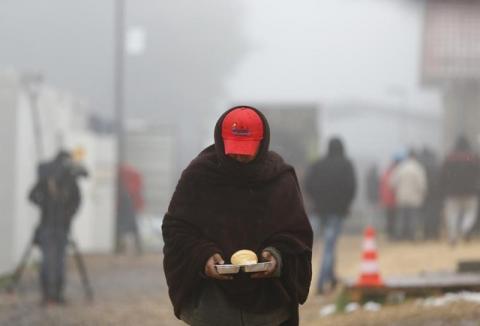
x,y
244,257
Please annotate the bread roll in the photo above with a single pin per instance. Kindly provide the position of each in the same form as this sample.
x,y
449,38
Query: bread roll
x,y
244,257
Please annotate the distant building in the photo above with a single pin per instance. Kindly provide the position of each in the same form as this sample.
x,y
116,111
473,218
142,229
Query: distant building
x,y
451,62
150,148
294,131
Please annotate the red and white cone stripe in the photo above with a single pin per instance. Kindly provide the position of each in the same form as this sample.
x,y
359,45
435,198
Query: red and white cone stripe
x,y
369,268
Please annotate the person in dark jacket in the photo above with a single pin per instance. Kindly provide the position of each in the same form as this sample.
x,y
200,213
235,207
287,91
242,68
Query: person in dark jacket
x,y
459,182
331,184
57,195
432,203
237,195
372,184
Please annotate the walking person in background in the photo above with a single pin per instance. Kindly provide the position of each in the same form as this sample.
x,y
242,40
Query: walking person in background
x,y
130,204
409,182
432,203
459,181
387,198
372,192
330,183
57,194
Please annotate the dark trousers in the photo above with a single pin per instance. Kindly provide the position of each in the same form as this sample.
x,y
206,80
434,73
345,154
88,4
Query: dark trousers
x,y
332,225
432,220
406,221
390,221
52,271
121,239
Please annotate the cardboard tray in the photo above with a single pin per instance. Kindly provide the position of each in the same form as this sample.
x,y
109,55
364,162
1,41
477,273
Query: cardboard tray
x,y
235,269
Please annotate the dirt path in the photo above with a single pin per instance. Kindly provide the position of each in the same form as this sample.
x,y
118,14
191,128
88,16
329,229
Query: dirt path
x,y
132,291
128,291
396,259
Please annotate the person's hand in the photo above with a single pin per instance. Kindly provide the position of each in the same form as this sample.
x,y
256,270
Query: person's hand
x,y
267,257
211,271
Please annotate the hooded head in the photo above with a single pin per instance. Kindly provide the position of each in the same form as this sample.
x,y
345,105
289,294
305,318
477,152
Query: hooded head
x,y
63,156
218,167
335,147
462,144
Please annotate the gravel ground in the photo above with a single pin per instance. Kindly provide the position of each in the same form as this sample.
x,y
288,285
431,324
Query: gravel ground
x,y
131,291
409,314
128,291
397,259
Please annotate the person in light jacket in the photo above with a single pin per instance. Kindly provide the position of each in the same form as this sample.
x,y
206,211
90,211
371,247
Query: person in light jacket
x,y
409,182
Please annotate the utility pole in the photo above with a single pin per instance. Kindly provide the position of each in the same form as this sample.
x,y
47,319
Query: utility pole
x,y
119,88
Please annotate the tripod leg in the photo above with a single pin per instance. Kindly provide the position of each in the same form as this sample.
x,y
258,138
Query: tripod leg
x,y
82,270
17,275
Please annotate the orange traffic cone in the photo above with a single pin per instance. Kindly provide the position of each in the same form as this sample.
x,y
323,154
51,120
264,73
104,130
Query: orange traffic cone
x,y
369,270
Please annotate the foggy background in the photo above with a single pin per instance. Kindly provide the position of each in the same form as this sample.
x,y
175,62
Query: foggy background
x,y
317,68
249,49
199,58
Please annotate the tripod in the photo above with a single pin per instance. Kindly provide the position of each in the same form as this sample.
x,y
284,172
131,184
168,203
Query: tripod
x,y
17,275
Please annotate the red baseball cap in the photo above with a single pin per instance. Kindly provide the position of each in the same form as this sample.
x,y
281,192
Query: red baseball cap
x,y
242,131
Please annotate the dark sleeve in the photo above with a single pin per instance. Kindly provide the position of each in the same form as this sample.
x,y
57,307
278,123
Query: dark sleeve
x,y
37,194
74,200
308,181
278,257
294,241
185,249
477,173
443,177
351,181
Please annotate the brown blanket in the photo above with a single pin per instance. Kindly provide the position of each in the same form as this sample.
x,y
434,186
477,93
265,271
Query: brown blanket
x,y
221,206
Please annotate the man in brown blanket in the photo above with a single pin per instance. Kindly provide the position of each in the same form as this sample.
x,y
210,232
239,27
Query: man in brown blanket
x,y
237,195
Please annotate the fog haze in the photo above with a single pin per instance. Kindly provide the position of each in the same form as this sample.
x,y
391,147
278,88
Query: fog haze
x,y
195,51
